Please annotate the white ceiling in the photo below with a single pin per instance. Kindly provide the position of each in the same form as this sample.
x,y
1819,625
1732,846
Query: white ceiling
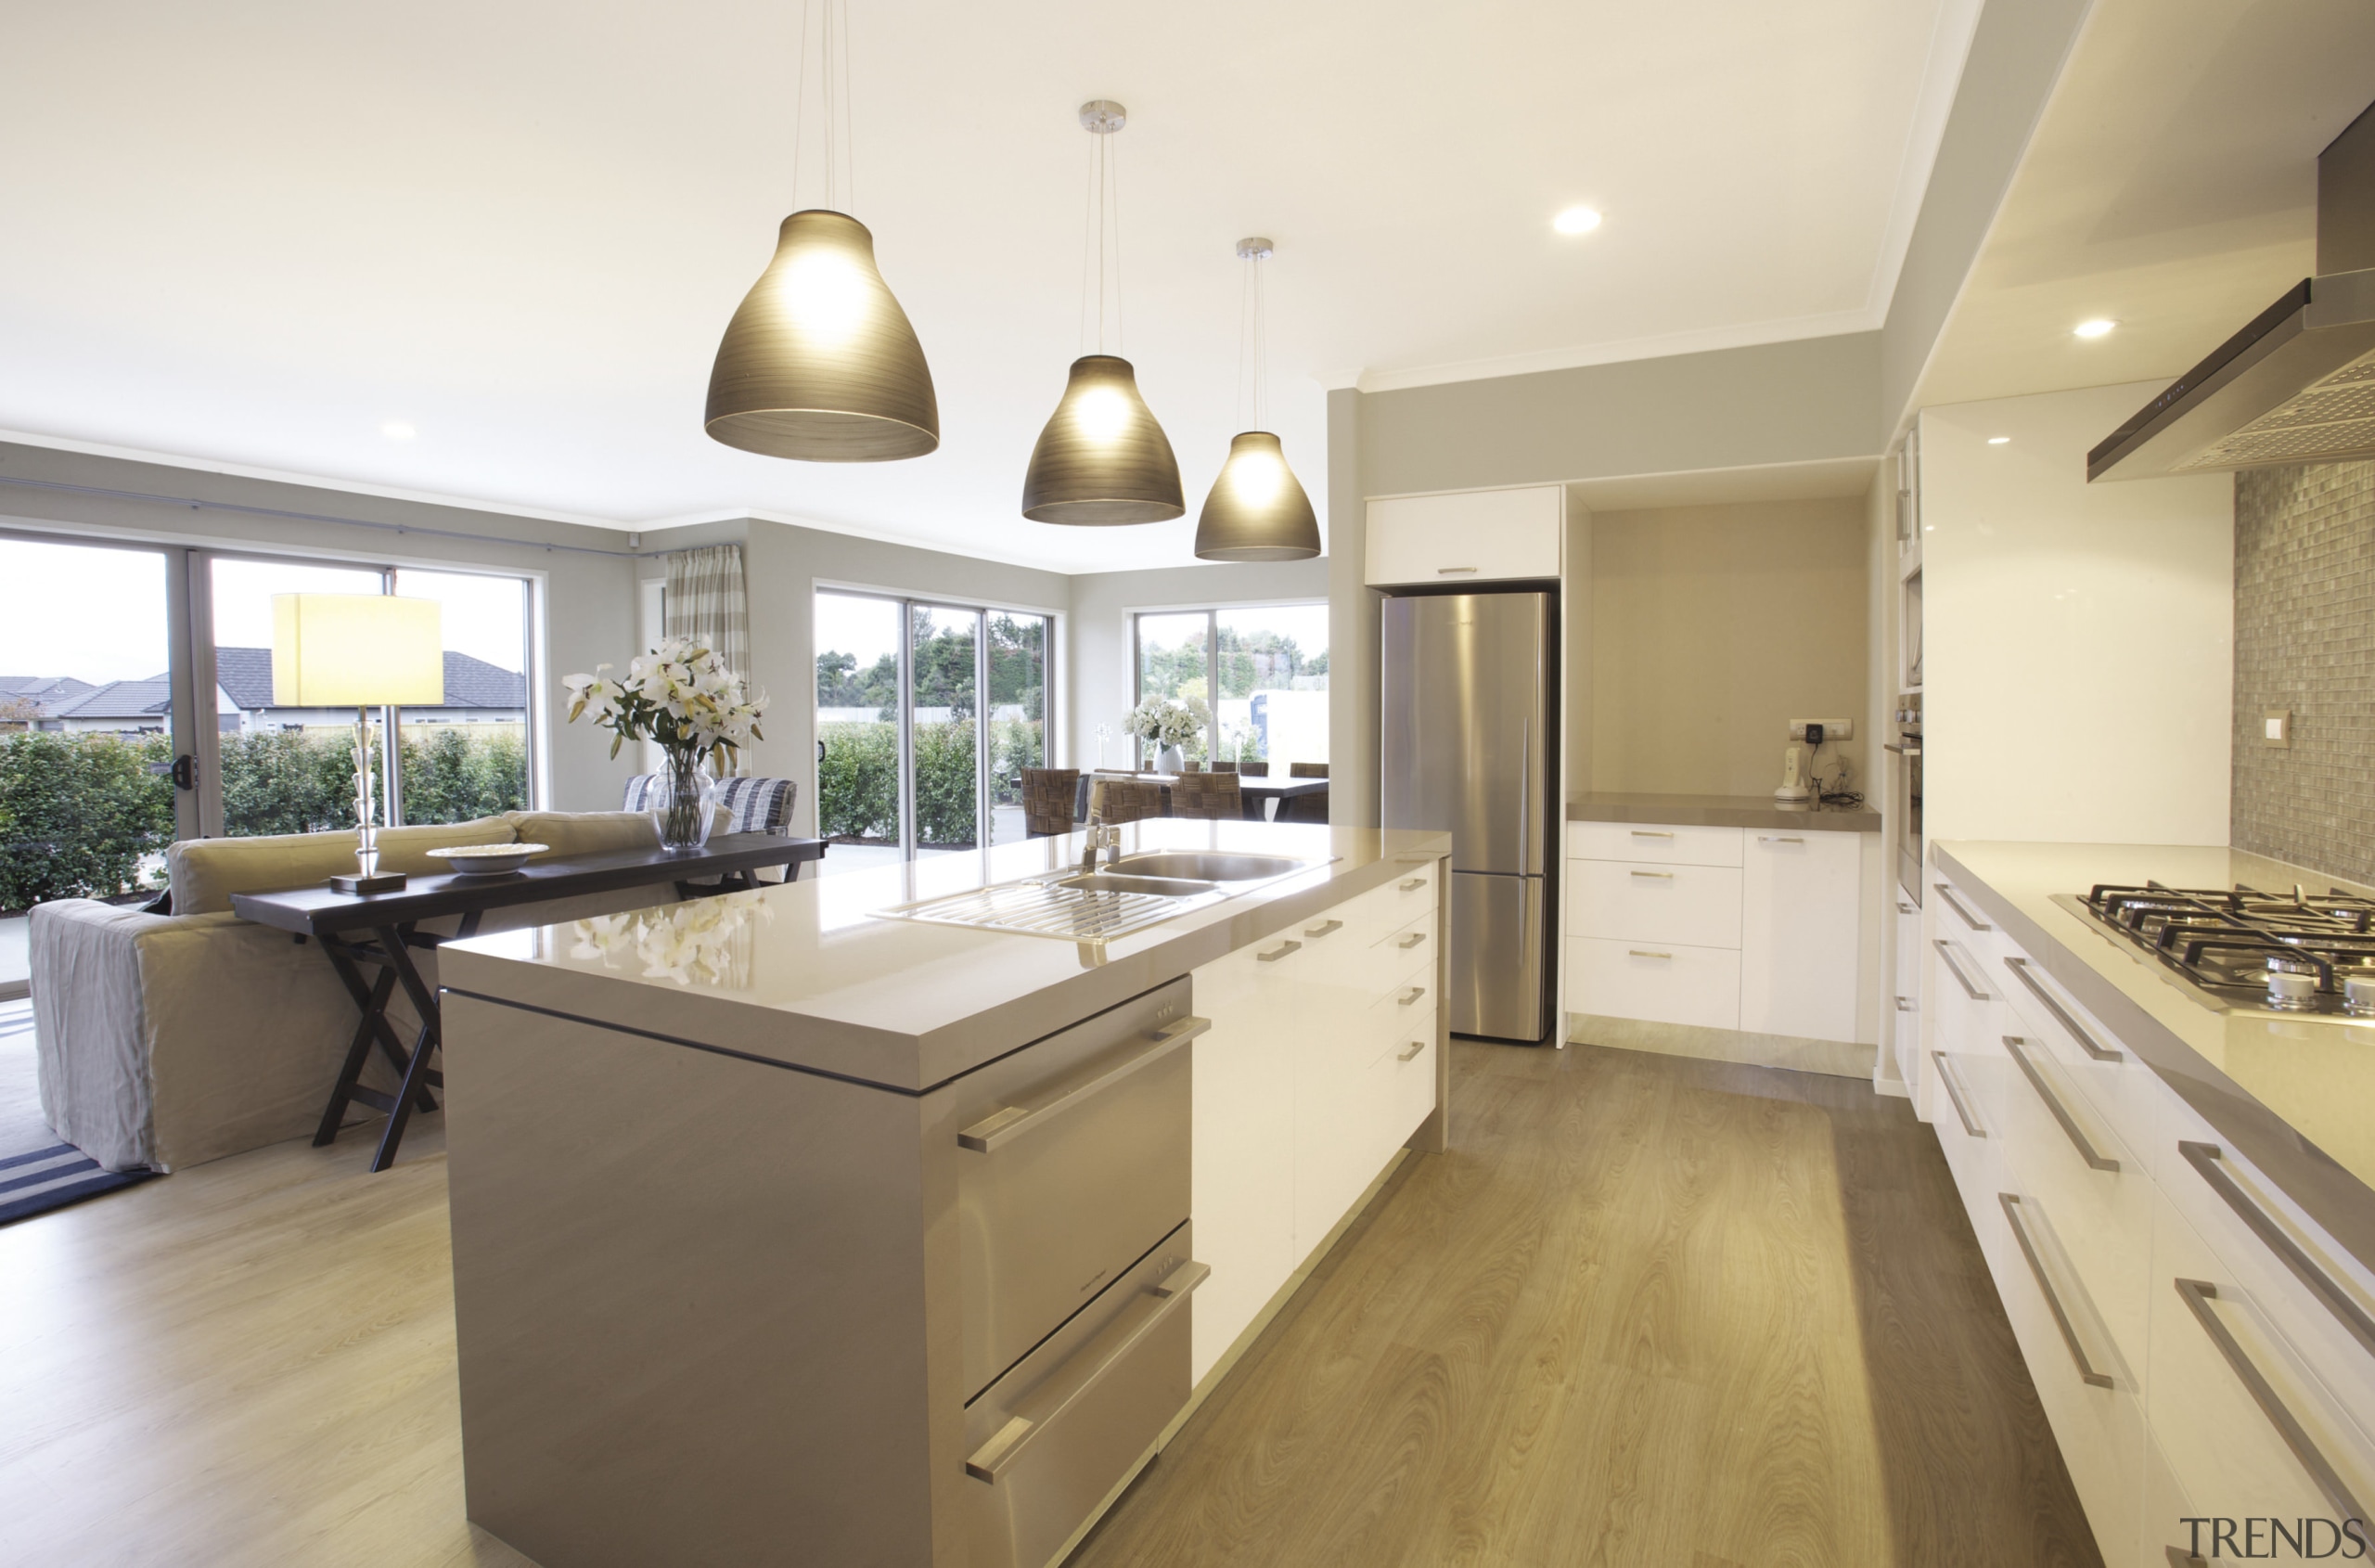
x,y
251,233
2171,186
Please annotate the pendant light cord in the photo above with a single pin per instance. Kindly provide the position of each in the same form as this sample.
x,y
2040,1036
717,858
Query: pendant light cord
x,y
835,99
1252,349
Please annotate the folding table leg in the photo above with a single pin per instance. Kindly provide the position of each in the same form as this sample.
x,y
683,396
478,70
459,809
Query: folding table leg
x,y
373,1002
417,1072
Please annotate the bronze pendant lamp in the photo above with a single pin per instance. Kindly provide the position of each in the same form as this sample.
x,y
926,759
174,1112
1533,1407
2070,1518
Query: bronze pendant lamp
x,y
819,363
1257,509
1102,461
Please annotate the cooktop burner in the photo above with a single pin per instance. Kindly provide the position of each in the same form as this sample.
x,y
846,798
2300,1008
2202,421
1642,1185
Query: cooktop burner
x,y
2291,953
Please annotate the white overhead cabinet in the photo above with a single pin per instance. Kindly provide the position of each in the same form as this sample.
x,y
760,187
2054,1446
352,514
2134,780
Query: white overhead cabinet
x,y
1477,537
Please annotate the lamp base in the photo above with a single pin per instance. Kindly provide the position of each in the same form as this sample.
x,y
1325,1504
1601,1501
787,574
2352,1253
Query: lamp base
x,y
376,882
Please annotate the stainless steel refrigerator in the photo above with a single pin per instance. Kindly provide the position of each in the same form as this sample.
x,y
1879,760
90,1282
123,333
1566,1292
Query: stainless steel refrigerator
x,y
1469,741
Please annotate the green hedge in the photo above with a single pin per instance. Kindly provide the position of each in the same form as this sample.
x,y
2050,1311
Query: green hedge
x,y
857,782
78,813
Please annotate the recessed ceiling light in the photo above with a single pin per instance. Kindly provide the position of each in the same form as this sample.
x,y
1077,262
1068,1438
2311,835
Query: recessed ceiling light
x,y
1576,220
396,429
1998,440
2094,329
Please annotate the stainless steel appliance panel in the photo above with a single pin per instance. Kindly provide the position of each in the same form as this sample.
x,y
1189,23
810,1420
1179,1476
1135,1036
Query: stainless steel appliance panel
x,y
1499,980
1467,732
1048,1440
1073,1161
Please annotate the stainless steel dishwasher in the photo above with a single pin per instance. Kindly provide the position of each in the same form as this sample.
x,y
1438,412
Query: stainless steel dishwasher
x,y
1072,1195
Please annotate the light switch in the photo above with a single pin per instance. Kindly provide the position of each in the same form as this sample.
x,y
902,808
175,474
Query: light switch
x,y
2275,727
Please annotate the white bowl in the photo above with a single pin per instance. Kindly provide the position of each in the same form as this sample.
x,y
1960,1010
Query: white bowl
x,y
487,860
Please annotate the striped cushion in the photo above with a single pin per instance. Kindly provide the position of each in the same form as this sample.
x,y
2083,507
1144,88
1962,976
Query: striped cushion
x,y
751,806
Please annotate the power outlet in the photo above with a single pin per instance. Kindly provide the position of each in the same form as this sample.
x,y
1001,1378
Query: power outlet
x,y
1832,729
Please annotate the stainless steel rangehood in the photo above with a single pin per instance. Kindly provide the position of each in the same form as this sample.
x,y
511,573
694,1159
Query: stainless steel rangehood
x,y
2297,385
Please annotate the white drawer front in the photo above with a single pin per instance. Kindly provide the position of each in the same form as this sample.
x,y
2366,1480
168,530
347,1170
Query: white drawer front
x,y
1698,905
1656,845
2106,1072
1659,982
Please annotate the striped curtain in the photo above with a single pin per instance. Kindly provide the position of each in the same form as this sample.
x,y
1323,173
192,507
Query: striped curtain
x,y
705,600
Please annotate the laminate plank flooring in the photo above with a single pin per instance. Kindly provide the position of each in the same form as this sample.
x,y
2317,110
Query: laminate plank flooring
x,y
1647,1311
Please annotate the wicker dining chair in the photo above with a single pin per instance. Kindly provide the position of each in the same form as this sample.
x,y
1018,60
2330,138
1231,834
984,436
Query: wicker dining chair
x,y
1305,808
1049,799
1253,770
1129,800
1219,766
1208,797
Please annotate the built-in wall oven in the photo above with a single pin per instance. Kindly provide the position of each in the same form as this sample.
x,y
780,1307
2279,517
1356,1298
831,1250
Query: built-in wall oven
x,y
1905,764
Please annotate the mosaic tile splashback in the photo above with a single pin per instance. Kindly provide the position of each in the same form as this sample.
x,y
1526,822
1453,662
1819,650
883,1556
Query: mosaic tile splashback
x,y
2304,641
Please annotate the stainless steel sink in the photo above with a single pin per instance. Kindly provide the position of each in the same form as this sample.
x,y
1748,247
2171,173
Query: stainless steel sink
x,y
1120,882
1208,866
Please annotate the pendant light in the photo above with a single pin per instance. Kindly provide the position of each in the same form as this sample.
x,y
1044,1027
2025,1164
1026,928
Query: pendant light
x,y
1102,461
820,364
1257,509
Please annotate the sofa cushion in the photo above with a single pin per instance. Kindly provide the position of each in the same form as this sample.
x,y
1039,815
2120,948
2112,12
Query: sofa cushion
x,y
204,873
585,832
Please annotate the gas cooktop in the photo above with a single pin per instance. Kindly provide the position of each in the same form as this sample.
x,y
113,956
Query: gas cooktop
x,y
2240,948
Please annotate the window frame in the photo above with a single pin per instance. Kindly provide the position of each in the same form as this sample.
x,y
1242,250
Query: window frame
x,y
1211,614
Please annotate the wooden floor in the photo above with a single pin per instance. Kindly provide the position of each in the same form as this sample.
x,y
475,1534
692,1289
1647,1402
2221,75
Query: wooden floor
x,y
1649,1311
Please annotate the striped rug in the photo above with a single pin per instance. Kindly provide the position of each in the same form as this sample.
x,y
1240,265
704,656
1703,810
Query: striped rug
x,y
42,1173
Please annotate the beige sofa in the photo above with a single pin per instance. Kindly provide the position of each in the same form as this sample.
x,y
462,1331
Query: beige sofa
x,y
164,1040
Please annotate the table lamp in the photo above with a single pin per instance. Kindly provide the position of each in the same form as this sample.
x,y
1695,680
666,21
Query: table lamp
x,y
362,651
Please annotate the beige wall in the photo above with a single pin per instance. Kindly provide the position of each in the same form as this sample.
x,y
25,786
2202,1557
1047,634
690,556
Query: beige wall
x,y
1711,627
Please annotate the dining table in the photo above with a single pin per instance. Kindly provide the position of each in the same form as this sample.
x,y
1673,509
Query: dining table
x,y
1252,788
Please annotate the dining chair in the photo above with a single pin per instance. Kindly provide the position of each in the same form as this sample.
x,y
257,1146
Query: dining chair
x,y
1311,808
1050,797
1209,797
1130,800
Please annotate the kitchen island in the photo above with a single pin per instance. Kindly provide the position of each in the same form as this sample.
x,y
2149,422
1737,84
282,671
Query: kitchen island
x,y
792,1227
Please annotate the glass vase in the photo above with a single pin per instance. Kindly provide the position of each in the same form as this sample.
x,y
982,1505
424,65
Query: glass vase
x,y
684,802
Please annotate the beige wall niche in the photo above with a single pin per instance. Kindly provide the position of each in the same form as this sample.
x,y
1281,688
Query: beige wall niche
x,y
1713,627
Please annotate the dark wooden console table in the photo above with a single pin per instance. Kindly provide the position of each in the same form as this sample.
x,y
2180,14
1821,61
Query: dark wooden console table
x,y
379,930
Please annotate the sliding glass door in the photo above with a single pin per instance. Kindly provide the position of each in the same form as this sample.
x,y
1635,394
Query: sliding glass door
x,y
87,750
927,713
1257,675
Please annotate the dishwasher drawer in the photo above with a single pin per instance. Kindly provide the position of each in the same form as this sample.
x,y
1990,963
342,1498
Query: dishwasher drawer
x,y
1072,1160
1048,1441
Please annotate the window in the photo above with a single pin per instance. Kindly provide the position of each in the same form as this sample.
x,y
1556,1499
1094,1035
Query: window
x,y
1257,675
288,770
927,713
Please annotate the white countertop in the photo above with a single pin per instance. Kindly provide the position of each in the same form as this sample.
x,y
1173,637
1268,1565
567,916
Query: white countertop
x,y
2258,1077
805,974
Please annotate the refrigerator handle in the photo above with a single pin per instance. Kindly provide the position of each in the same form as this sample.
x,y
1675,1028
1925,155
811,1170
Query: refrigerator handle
x,y
1525,798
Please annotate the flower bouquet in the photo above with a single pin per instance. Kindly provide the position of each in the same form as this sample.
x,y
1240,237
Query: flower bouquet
x,y
1166,723
706,942
683,699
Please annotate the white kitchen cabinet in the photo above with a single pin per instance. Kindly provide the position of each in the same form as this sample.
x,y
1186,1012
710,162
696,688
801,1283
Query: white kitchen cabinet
x,y
1668,983
1305,1086
1483,535
1799,933
1906,1004
1697,906
1648,844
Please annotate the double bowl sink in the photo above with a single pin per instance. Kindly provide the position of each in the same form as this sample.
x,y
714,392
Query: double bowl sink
x,y
1095,904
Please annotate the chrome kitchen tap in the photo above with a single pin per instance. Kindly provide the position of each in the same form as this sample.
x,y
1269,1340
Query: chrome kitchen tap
x,y
1100,834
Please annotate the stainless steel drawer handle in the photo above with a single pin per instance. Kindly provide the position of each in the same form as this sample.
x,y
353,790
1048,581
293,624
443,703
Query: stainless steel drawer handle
x,y
1645,953
2019,968
1003,1127
1904,908
1905,1004
1412,1054
2014,1207
2209,1160
1069,1387
1947,955
1315,932
1280,951
2086,1151
2198,1294
1411,940
1452,571
1667,875
1413,884
1651,833
1956,904
1410,995
1769,839
1954,1095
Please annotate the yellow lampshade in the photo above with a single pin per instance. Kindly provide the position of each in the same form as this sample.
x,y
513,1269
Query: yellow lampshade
x,y
356,651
